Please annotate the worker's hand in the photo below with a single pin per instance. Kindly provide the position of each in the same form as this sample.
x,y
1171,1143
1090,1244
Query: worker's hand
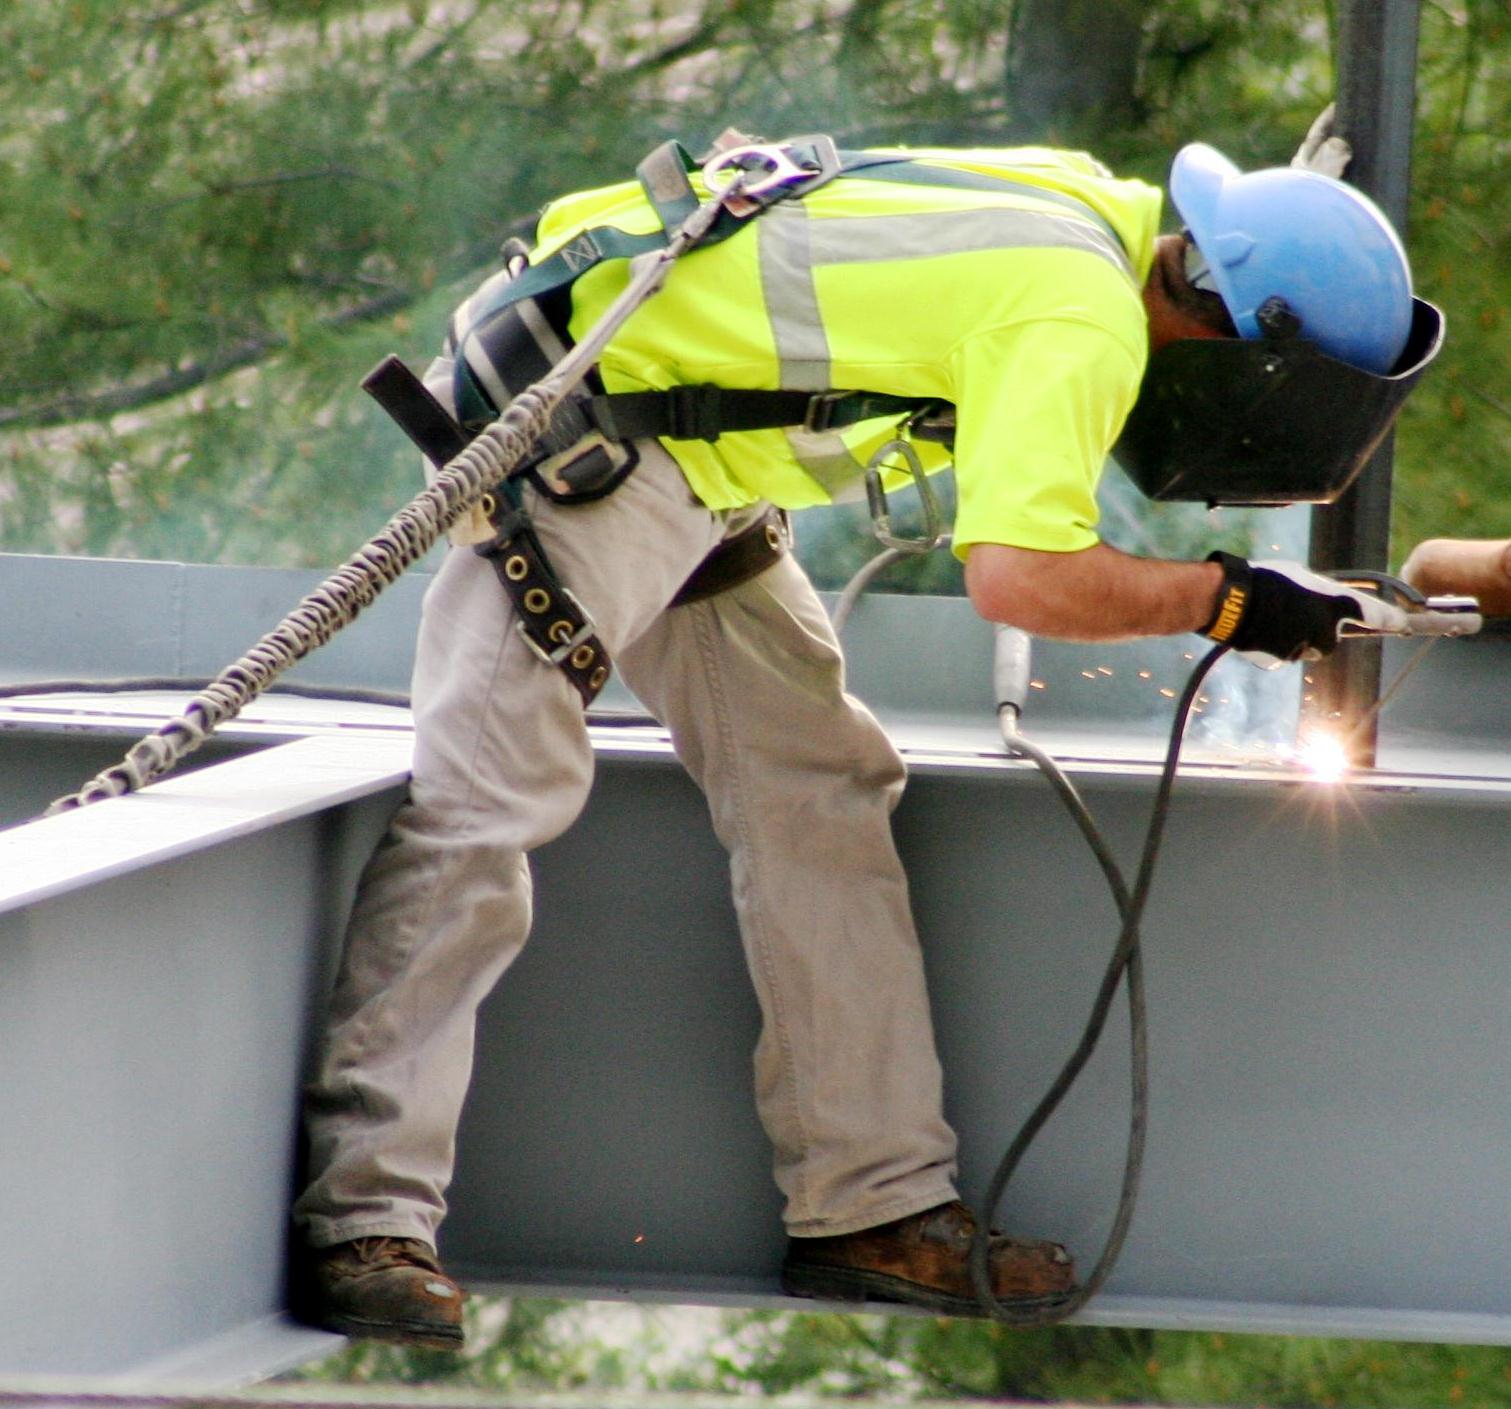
x,y
1321,150
1278,611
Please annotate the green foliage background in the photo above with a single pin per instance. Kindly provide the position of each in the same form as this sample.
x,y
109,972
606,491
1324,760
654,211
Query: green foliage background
x,y
529,1347
218,214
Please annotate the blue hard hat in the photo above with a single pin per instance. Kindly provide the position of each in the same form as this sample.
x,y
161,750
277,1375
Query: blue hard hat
x,y
1320,245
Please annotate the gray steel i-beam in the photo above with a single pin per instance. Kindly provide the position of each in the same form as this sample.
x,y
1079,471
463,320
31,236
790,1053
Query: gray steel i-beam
x,y
1326,975
1377,60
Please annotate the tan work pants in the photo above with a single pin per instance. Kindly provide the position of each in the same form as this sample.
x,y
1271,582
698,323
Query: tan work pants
x,y
801,782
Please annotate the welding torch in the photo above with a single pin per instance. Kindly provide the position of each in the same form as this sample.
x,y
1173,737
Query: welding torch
x,y
1407,612
1418,615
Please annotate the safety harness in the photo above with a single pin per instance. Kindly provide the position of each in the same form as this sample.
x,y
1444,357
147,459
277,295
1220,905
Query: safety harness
x,y
516,331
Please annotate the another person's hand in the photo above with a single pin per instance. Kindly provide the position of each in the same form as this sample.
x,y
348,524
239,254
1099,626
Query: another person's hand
x,y
1321,150
1468,567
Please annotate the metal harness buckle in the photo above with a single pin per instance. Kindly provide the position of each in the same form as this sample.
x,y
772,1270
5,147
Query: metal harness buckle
x,y
571,471
765,168
820,413
564,648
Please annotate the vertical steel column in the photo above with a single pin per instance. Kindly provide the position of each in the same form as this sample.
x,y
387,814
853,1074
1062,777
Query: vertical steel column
x,y
1377,61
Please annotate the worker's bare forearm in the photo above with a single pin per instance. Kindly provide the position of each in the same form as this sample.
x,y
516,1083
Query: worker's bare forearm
x,y
1097,594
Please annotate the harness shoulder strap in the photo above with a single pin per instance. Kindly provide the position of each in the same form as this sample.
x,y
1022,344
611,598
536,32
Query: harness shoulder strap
x,y
705,412
663,176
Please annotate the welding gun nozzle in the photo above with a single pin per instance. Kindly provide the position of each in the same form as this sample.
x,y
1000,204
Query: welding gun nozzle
x,y
1445,616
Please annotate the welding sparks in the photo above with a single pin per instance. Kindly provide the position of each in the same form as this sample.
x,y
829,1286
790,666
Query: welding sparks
x,y
1323,756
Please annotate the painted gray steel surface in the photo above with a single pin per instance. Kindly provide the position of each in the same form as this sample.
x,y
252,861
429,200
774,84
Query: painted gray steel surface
x,y
1328,983
155,1013
153,1030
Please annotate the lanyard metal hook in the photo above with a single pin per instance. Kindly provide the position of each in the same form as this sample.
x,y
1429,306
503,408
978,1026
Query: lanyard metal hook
x,y
876,498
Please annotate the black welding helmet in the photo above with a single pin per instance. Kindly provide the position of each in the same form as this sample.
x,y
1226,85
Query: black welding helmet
x,y
1330,343
1275,421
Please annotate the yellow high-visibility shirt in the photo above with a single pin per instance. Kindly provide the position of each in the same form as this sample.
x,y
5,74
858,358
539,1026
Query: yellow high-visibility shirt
x,y
1023,313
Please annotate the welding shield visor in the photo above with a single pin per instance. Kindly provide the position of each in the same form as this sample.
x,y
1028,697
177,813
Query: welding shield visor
x,y
1267,421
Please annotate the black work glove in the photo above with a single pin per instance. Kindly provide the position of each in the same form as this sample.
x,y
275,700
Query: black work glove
x,y
1282,611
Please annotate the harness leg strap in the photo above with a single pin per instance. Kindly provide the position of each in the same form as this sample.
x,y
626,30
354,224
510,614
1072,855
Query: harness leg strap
x,y
548,617
737,559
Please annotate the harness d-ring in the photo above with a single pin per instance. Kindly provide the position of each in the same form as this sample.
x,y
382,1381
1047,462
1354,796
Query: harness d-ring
x,y
764,167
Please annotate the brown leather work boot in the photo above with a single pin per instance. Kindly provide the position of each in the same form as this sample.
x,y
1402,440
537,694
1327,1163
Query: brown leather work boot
x,y
924,1260
390,1289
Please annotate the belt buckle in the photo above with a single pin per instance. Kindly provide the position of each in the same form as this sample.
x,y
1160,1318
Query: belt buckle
x,y
554,468
562,649
821,410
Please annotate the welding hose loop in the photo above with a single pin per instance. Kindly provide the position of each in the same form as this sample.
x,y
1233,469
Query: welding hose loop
x,y
335,602
1126,958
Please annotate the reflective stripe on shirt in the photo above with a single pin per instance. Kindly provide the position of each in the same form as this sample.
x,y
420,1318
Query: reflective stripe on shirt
x,y
793,244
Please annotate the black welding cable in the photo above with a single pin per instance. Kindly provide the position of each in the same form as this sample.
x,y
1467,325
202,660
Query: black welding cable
x,y
1125,959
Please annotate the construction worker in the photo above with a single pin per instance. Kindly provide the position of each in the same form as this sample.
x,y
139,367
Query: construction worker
x,y
1026,288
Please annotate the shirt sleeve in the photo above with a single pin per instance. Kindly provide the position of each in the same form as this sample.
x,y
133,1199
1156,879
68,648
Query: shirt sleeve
x,y
1039,406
